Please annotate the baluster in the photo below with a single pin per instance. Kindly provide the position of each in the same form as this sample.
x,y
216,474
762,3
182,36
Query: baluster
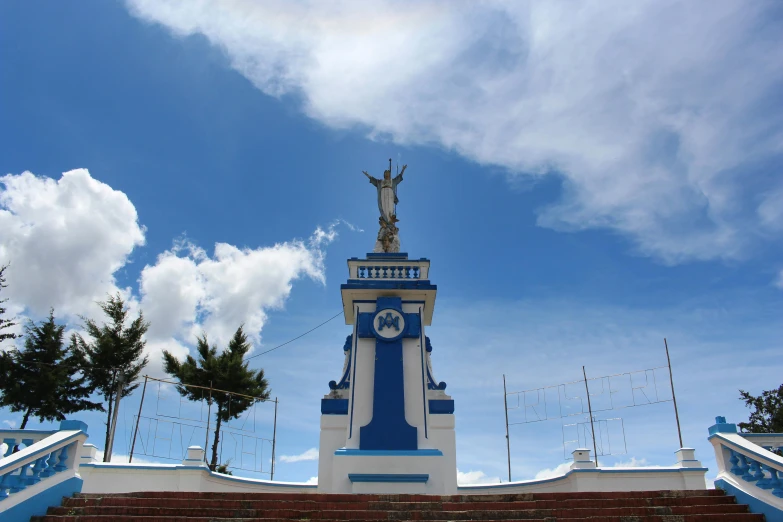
x,y
20,482
417,272
735,468
373,272
766,483
27,442
11,443
4,485
746,476
49,470
755,471
383,272
776,482
62,458
401,272
40,464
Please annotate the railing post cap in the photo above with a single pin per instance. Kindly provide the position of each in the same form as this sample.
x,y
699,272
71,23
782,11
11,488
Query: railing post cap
x,y
73,425
581,455
721,426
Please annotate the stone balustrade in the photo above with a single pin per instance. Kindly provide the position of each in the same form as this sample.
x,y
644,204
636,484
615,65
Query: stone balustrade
x,y
388,269
748,466
34,460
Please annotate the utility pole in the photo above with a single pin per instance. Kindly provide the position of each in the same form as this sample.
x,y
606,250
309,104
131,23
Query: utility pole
x,y
118,395
508,440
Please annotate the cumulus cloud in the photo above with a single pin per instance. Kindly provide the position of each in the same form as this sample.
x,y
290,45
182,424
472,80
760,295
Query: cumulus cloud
x,y
311,454
312,480
64,240
187,291
557,471
475,477
652,115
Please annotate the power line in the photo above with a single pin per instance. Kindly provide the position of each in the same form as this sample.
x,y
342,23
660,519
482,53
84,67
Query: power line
x,y
295,338
246,359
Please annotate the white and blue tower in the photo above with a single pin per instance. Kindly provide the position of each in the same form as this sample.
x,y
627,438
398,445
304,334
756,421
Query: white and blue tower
x,y
387,426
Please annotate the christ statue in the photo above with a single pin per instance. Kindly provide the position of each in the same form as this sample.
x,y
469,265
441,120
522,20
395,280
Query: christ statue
x,y
388,237
387,193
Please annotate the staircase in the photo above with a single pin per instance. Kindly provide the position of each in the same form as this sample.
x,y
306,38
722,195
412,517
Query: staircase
x,y
639,506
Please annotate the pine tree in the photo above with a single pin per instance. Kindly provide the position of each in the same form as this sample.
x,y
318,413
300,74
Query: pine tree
x,y
767,414
115,350
4,323
43,380
226,372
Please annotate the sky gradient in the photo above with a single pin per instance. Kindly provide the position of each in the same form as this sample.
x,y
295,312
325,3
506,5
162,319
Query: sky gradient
x,y
585,181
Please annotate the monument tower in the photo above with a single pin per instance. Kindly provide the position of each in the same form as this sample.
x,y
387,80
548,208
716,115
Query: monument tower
x,y
387,426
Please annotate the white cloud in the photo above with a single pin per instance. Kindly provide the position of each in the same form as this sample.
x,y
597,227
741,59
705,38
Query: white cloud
x,y
312,481
647,113
10,423
311,454
475,477
64,240
187,291
557,471
635,463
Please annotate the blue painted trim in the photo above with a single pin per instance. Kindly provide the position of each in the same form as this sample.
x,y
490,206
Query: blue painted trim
x,y
373,284
29,432
722,427
73,425
346,452
755,505
344,383
38,504
740,449
355,359
334,406
441,406
388,477
373,300
423,377
387,255
527,483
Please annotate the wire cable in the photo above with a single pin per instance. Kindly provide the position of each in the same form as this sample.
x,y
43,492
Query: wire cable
x,y
295,338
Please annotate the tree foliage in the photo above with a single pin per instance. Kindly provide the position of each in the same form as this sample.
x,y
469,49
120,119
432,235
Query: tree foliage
x,y
225,371
115,349
4,323
43,379
767,414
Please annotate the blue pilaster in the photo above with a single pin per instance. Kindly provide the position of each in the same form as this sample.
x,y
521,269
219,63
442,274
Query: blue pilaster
x,y
388,429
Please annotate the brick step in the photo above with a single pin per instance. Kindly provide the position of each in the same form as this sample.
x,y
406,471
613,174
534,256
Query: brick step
x,y
737,517
318,514
360,504
319,497
99,518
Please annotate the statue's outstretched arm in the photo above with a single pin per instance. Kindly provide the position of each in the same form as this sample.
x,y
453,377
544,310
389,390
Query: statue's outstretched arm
x,y
398,177
373,180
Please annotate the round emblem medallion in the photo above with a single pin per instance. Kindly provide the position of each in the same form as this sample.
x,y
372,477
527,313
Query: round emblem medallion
x,y
388,324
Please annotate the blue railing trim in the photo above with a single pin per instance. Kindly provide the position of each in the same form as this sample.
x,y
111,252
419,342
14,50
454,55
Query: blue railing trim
x,y
741,449
45,450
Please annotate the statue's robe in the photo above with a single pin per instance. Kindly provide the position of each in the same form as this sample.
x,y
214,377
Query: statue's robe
x,y
387,195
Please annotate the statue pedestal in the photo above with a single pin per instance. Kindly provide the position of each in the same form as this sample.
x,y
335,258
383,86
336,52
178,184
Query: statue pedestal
x,y
387,426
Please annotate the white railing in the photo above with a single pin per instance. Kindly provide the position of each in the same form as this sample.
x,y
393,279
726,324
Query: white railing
x,y
747,463
388,269
42,459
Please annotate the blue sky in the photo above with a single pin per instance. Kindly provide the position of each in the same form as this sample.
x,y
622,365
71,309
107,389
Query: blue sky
x,y
584,181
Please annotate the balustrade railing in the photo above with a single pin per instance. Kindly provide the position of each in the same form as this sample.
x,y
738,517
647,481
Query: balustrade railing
x,y
32,457
750,463
388,270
